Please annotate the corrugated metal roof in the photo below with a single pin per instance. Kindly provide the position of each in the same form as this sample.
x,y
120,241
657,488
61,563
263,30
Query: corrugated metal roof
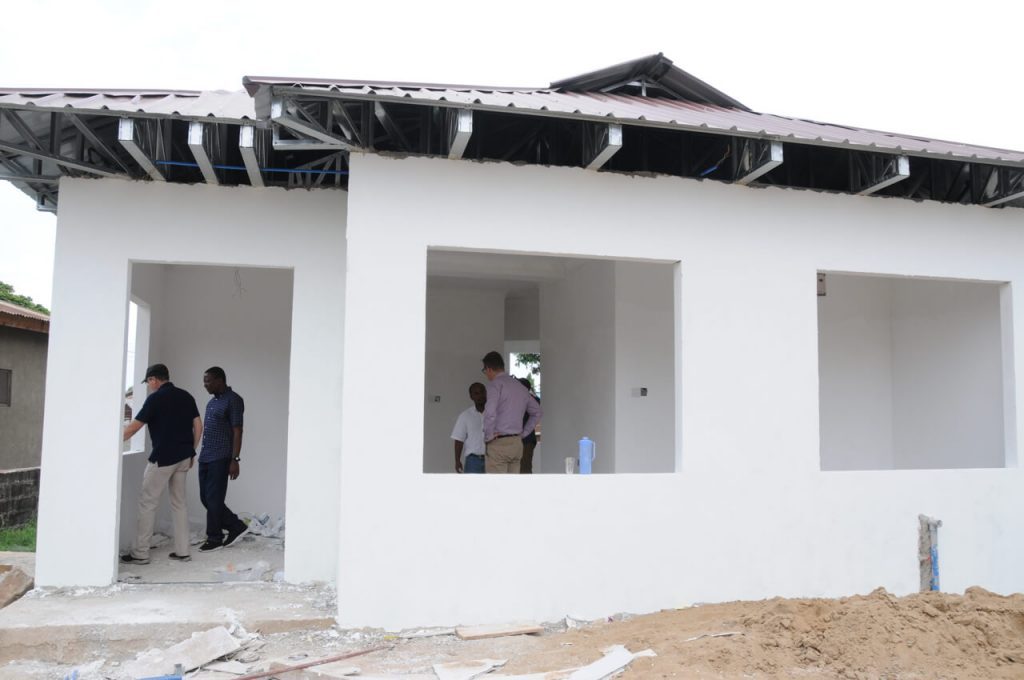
x,y
17,310
655,112
215,104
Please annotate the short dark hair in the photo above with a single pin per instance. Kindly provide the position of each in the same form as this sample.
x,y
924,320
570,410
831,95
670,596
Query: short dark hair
x,y
494,361
525,382
158,371
480,385
216,372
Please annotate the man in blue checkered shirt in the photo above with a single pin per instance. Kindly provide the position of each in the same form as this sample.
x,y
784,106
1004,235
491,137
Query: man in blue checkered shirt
x,y
219,460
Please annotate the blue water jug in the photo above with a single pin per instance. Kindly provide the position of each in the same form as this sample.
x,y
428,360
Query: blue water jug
x,y
588,452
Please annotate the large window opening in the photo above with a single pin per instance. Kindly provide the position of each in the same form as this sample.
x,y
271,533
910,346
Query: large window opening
x,y
595,337
192,318
914,373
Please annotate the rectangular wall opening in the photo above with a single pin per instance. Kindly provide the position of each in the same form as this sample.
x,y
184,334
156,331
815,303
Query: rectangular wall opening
x,y
604,331
193,317
914,373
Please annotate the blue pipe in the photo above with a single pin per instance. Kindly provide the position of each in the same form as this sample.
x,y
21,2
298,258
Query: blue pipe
x,y
184,164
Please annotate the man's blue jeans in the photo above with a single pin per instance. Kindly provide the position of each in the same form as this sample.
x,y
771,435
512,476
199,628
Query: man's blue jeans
x,y
213,489
474,464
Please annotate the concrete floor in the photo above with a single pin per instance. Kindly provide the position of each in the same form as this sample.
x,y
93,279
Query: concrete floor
x,y
226,564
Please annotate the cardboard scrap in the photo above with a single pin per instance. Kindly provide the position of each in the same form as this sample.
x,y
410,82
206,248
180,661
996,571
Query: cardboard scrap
x,y
497,630
13,584
466,670
198,650
615,659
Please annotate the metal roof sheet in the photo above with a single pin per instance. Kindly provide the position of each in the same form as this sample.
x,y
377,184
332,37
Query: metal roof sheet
x,y
660,113
17,310
215,104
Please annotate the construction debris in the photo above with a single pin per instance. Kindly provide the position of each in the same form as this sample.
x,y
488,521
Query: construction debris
x,y
497,630
249,571
198,650
615,659
13,584
415,633
466,670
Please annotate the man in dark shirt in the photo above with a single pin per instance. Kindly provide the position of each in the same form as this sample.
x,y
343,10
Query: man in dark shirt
x,y
175,429
220,460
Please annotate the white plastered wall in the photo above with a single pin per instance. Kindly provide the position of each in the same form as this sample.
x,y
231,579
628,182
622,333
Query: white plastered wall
x,y
749,514
105,225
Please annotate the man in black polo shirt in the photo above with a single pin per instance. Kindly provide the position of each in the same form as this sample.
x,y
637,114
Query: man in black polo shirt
x,y
176,430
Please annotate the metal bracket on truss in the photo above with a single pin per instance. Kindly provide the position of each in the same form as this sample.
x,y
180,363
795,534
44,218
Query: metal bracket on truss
x,y
309,134
873,172
460,129
201,141
140,138
755,157
1007,185
253,147
600,143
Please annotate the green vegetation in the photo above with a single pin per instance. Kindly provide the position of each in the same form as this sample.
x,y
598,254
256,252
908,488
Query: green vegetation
x,y
19,539
7,293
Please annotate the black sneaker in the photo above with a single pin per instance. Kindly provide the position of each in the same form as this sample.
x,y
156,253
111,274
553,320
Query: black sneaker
x,y
130,559
210,546
180,558
236,535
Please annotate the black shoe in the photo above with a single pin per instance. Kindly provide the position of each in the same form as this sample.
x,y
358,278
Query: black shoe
x,y
236,535
210,546
130,559
180,558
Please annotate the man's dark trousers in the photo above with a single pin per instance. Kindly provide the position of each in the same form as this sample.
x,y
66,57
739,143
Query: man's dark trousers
x,y
213,489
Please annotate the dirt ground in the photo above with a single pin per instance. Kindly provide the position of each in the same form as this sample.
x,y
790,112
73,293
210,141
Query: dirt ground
x,y
933,635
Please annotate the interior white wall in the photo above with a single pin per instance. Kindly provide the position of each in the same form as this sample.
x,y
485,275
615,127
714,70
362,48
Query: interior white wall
x,y
855,373
463,325
748,384
911,374
103,226
522,316
947,375
245,328
644,357
577,336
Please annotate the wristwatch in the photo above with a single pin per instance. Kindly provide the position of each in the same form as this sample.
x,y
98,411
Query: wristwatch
x,y
237,459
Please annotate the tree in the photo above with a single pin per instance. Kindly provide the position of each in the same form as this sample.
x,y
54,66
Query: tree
x,y
529,361
7,293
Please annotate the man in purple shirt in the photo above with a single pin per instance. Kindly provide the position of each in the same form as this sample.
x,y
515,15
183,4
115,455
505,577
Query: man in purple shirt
x,y
507,404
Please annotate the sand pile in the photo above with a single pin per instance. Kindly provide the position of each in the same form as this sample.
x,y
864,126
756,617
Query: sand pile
x,y
933,635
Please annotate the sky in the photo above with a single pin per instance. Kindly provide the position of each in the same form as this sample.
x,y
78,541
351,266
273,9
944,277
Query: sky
x,y
935,69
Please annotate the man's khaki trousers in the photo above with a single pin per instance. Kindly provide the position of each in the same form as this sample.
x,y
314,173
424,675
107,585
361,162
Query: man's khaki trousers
x,y
154,480
503,456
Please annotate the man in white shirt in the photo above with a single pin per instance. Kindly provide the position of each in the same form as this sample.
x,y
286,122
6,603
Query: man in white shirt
x,y
468,433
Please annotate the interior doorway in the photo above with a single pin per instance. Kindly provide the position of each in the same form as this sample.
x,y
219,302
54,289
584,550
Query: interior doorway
x,y
191,318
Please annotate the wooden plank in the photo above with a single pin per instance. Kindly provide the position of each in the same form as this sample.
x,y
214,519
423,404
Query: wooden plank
x,y
498,630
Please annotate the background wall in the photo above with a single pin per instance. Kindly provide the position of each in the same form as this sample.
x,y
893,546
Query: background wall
x,y
464,324
24,353
911,374
644,357
577,338
104,226
750,482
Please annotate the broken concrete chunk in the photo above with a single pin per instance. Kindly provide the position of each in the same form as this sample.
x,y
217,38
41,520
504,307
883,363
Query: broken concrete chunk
x,y
414,633
198,650
498,630
13,584
233,667
466,670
